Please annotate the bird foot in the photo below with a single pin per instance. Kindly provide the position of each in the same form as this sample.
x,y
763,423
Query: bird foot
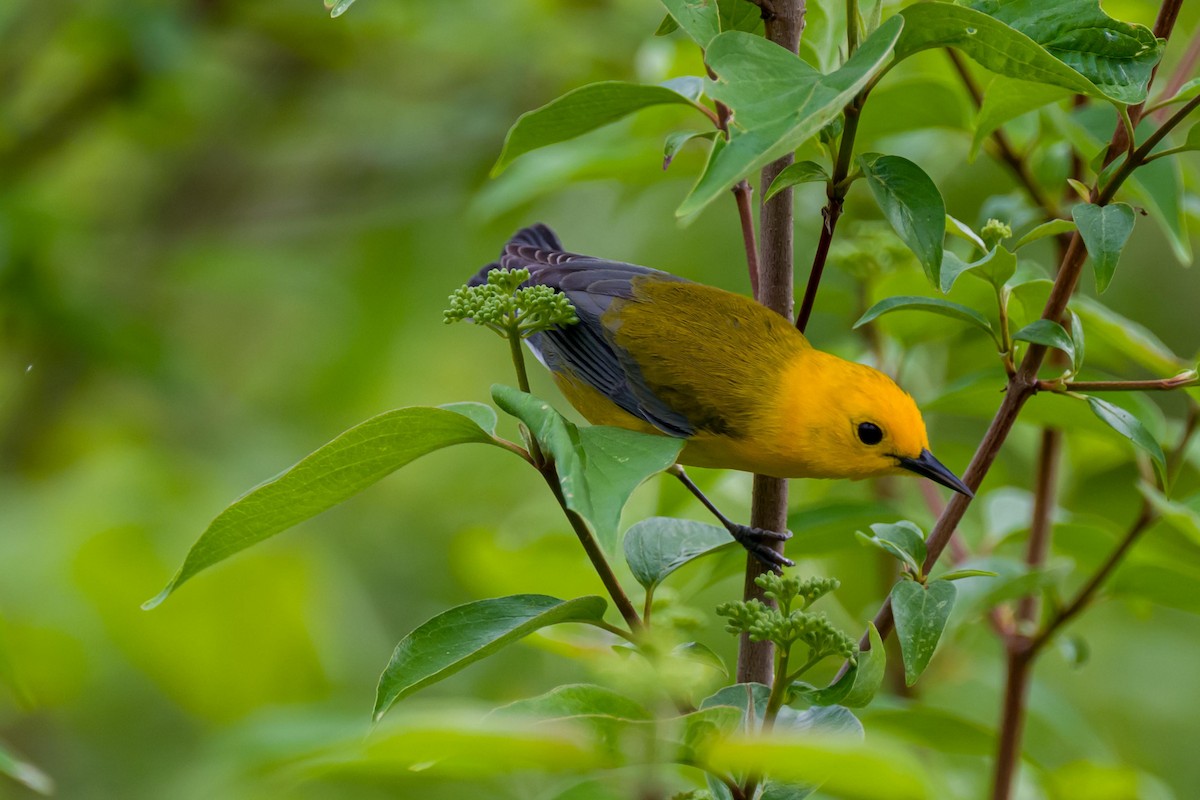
x,y
757,542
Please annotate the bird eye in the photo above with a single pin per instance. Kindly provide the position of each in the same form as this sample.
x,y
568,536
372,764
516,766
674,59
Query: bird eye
x,y
869,433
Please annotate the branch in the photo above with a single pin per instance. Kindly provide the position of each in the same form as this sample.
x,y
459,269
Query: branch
x,y
1017,645
1181,381
835,192
1145,518
769,497
741,195
594,552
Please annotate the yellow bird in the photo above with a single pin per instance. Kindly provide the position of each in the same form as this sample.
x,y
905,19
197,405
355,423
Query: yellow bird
x,y
655,353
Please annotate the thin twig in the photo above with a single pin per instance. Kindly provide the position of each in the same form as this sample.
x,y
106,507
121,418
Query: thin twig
x,y
1181,381
742,194
1145,518
594,553
835,193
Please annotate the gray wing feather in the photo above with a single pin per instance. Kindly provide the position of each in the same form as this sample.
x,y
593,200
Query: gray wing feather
x,y
585,349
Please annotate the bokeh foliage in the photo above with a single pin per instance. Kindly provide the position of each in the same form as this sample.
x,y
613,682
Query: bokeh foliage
x,y
226,234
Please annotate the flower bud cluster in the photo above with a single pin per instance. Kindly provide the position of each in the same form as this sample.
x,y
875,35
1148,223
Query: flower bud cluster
x,y
503,306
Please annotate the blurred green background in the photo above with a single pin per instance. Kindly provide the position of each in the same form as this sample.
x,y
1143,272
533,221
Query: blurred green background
x,y
227,231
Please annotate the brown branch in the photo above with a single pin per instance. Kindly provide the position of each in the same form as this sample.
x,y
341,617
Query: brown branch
x,y
769,498
1046,487
1168,12
742,194
1145,518
594,552
1017,646
1181,381
835,193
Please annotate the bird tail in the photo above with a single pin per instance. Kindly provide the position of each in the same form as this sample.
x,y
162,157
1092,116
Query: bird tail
x,y
537,236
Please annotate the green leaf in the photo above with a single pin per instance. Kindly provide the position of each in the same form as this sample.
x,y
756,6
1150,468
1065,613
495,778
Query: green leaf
x,y
940,730
1005,99
962,230
903,540
617,462
482,415
921,613
576,700
598,467
1054,227
779,102
699,19
24,773
1049,333
843,766
933,305
467,633
959,574
990,42
335,472
1126,337
1115,58
912,204
1180,516
1077,338
1105,230
656,547
701,654
1132,429
582,110
1118,57
858,686
668,25
338,7
675,142
995,267
794,174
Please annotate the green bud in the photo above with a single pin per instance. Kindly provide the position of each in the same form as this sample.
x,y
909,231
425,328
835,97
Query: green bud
x,y
503,306
995,232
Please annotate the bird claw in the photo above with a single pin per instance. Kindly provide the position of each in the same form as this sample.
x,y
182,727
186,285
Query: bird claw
x,y
757,543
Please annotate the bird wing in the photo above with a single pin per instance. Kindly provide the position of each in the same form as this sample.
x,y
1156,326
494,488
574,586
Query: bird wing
x,y
586,350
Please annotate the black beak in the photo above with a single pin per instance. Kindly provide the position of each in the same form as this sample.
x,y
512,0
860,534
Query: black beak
x,y
928,466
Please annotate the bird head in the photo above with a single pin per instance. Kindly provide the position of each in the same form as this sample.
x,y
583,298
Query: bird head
x,y
858,423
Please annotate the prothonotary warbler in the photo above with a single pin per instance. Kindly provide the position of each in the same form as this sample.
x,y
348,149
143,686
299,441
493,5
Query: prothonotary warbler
x,y
656,353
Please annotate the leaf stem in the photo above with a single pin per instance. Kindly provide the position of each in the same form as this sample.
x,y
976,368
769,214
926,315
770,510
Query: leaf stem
x,y
594,552
513,334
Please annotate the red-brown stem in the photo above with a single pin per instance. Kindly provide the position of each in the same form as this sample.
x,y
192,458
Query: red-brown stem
x,y
1168,12
742,194
1145,518
769,499
1020,655
1045,491
1016,689
835,194
1159,385
594,552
